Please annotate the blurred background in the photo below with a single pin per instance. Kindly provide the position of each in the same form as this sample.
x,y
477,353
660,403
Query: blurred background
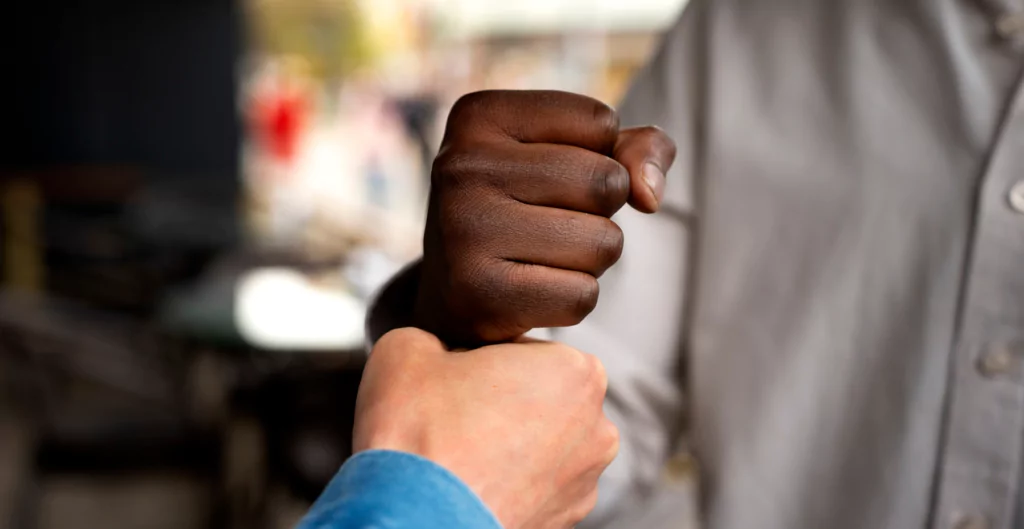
x,y
198,199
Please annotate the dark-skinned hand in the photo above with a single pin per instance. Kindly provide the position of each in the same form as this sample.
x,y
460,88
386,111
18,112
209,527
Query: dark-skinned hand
x,y
518,228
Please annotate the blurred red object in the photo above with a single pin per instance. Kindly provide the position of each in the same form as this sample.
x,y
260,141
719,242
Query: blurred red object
x,y
280,120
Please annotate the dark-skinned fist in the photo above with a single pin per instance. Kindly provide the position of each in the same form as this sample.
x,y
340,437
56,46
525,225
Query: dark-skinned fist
x,y
518,227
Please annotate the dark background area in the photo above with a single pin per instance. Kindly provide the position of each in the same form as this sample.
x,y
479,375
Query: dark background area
x,y
150,84
120,145
146,87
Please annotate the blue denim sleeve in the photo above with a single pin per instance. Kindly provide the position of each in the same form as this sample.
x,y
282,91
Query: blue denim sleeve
x,y
383,489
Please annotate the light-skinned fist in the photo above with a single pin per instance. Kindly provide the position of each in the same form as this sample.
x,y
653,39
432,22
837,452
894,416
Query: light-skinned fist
x,y
520,423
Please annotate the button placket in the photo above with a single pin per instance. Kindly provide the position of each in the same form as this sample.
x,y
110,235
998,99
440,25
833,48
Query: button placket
x,y
980,461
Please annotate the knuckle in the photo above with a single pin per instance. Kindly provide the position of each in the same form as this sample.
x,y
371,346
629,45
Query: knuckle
x,y
470,215
473,167
609,244
518,283
474,286
458,234
576,360
454,167
466,284
504,317
586,299
474,117
396,339
445,158
469,106
605,117
598,374
582,508
510,276
475,279
610,185
495,280
612,439
397,348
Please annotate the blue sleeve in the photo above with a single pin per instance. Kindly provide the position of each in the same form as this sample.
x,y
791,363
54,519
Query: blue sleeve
x,y
383,489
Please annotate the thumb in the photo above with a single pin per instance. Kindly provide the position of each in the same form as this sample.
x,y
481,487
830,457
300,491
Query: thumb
x,y
647,153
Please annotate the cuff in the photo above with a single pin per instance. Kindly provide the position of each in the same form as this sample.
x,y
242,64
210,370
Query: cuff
x,y
383,489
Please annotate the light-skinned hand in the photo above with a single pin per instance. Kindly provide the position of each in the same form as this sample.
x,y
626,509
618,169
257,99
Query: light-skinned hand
x,y
521,423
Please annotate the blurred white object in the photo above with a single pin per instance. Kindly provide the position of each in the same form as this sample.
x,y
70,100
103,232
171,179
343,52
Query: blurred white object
x,y
474,18
367,270
279,308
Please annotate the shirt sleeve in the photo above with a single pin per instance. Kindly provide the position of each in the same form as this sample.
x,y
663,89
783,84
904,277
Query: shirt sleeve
x,y
383,489
639,328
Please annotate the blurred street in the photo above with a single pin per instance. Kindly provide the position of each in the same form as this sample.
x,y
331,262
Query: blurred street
x,y
201,201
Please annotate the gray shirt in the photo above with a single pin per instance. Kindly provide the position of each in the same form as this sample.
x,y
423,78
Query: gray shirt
x,y
829,311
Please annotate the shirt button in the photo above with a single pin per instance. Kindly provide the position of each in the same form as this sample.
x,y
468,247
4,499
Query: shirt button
x,y
1010,25
971,521
681,467
997,361
1017,197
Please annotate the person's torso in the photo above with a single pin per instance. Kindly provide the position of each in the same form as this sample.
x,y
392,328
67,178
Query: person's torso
x,y
859,266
